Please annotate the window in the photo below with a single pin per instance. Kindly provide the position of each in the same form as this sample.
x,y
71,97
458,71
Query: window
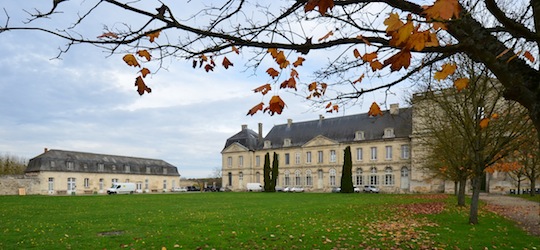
x,y
164,170
229,161
404,172
297,158
267,144
114,180
297,178
308,157
100,167
139,185
113,167
127,168
240,176
332,156
287,159
69,165
388,152
101,184
389,133
146,184
309,179
405,152
388,176
86,183
373,178
164,184
230,178
53,164
332,177
287,142
287,178
359,180
240,161
257,160
359,154
359,135
320,157
85,166
71,184
373,153
148,170
258,177
51,184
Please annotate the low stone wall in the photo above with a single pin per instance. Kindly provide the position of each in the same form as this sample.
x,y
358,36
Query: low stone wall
x,y
18,185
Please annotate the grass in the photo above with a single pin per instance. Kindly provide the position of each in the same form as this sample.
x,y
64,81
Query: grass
x,y
250,221
535,198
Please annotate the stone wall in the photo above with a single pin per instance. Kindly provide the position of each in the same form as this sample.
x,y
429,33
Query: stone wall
x,y
18,185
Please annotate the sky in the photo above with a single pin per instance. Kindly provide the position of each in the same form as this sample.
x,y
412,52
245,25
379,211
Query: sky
x,y
86,101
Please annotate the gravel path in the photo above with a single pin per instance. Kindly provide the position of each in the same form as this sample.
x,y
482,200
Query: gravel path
x,y
526,213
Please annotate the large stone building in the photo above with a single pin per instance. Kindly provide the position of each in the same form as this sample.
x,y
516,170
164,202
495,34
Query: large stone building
x,y
311,153
68,172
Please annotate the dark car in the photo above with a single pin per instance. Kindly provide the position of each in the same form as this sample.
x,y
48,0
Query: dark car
x,y
193,188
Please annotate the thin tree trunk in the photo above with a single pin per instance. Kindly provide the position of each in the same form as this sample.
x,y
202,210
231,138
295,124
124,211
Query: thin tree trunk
x,y
473,214
461,192
533,181
519,186
456,188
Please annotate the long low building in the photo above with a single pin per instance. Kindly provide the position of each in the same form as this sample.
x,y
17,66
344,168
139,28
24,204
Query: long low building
x,y
69,172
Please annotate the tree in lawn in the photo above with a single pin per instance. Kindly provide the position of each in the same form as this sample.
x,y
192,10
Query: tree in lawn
x,y
512,168
275,173
403,38
267,173
484,126
346,173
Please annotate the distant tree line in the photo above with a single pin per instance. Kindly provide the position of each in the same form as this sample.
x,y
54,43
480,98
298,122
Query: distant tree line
x,y
11,164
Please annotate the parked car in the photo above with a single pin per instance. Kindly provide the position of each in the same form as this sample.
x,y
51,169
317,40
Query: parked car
x,y
357,190
211,189
179,189
371,189
193,188
279,189
336,190
287,189
297,190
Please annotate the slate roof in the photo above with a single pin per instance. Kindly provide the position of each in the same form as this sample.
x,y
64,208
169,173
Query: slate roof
x,y
341,129
88,162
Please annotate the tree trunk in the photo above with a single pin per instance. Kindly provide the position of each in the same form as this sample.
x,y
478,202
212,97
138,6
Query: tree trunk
x,y
519,186
473,214
461,192
456,188
533,181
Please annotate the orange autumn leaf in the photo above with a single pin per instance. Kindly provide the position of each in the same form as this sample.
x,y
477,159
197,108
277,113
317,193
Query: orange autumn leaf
x,y
329,105
153,35
294,73
356,53
273,52
298,61
289,83
368,57
263,89
204,58
255,109
335,107
208,67
226,63
272,72
442,9
375,110
400,60
359,79
376,65
402,34
393,23
144,72
141,86
366,41
324,5
495,116
484,123
144,53
529,56
330,33
131,60
276,105
108,35
281,60
447,69
461,83
235,49
431,39
312,86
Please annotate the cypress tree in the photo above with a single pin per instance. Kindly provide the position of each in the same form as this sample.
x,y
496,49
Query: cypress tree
x,y
266,173
275,173
346,173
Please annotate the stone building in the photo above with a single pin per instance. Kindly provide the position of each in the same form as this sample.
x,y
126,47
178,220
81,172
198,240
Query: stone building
x,y
311,153
69,172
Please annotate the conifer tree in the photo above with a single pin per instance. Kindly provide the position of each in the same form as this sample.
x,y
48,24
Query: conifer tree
x,y
266,173
346,173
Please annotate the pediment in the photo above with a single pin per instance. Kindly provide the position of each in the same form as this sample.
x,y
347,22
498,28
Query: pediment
x,y
320,141
234,148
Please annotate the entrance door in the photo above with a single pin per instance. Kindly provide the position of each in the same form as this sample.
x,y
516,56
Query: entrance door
x,y
71,185
405,178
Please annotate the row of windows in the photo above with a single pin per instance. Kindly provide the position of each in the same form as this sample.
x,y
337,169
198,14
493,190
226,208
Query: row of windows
x,y
405,154
71,183
359,178
101,167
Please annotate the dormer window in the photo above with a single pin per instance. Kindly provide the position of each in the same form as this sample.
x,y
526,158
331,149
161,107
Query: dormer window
x,y
267,144
389,133
359,135
69,165
287,142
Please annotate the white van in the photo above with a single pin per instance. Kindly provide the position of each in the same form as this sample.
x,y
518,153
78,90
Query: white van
x,y
254,187
121,188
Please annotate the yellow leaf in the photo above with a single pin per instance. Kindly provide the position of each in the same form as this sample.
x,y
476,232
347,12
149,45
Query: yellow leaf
x,y
400,60
141,86
153,35
376,65
131,60
144,53
461,83
298,61
402,34
393,23
442,9
447,69
144,72
375,110
484,123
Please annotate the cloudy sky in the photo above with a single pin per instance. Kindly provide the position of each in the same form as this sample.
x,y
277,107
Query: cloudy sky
x,y
86,101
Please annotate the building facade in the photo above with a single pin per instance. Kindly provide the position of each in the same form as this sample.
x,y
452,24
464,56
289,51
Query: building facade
x,y
311,153
69,172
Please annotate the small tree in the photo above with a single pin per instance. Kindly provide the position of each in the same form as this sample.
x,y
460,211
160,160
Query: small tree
x,y
266,173
275,173
346,173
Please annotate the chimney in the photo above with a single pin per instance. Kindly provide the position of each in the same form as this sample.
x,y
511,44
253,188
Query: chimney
x,y
244,126
289,123
260,130
321,118
45,150
394,109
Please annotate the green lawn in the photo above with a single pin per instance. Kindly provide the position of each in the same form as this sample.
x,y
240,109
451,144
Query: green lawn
x,y
250,221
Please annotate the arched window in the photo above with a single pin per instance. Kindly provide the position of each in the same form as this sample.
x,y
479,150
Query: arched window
x,y
404,172
297,178
287,178
258,177
309,179
373,178
332,177
388,176
359,178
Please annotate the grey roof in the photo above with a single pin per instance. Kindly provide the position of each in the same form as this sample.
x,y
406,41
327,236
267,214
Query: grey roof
x,y
88,162
343,129
247,138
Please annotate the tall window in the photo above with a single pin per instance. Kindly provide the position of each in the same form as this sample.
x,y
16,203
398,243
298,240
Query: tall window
x,y
405,151
114,180
309,179
240,176
297,178
51,184
388,176
101,184
287,159
53,164
320,157
240,161
373,153
164,184
230,178
139,185
297,158
359,154
258,177
148,170
229,161
127,168
71,184
332,156
164,170
332,177
86,183
287,178
388,152
308,157
69,165
359,180
404,172
101,167
257,160
146,184
373,178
